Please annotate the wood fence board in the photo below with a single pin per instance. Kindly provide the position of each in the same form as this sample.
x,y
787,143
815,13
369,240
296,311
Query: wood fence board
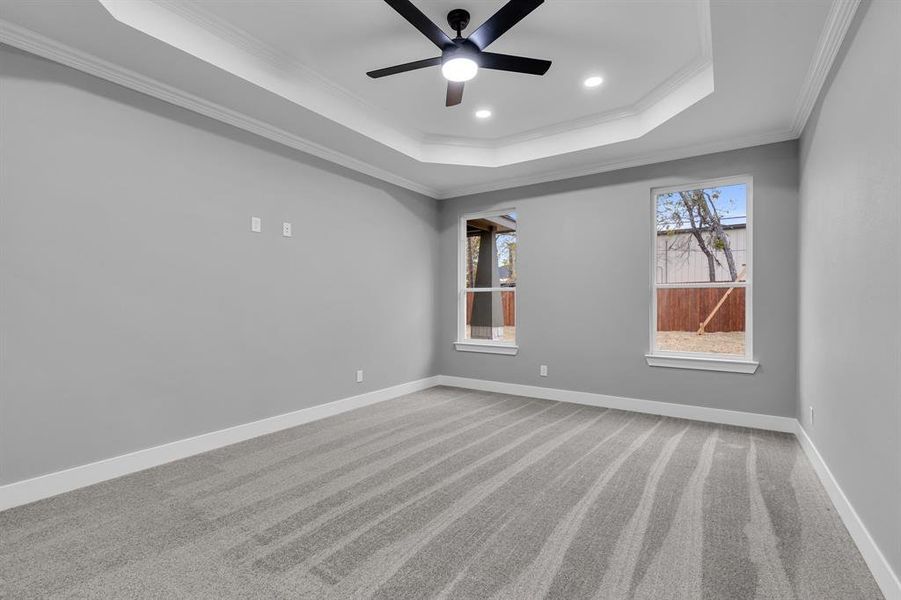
x,y
677,309
684,309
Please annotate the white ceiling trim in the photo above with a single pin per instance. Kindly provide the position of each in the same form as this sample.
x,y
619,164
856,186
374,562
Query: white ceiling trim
x,y
732,143
841,14
195,31
33,42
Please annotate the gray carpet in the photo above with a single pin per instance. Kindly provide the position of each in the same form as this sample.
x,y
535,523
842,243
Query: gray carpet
x,y
452,494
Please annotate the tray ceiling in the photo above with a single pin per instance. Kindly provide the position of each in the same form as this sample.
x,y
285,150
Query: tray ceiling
x,y
655,58
294,71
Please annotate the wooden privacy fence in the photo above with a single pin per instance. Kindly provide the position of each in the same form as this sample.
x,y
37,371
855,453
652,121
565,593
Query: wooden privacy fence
x,y
684,309
508,302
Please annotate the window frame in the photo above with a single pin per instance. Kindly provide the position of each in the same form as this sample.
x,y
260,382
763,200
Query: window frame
x,y
704,360
462,344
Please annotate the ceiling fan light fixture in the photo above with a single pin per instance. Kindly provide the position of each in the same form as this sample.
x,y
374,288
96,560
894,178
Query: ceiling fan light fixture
x,y
593,82
459,69
462,57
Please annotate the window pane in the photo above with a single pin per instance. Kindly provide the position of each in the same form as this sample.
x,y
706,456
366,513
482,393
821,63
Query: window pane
x,y
491,316
702,235
490,252
701,320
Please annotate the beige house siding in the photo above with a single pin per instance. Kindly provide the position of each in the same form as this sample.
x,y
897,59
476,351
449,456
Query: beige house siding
x,y
680,260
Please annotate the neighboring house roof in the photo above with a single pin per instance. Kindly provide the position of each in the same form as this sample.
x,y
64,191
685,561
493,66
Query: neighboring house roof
x,y
688,230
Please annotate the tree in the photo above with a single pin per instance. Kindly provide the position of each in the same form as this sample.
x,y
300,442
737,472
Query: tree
x,y
472,259
507,252
696,212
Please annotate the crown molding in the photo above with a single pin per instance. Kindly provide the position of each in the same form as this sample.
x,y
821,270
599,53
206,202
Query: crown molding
x,y
711,147
35,43
838,21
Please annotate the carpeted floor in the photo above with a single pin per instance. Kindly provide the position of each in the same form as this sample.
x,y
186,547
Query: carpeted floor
x,y
452,494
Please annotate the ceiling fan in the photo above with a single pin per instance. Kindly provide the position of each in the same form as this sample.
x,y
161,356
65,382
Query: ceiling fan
x,y
461,57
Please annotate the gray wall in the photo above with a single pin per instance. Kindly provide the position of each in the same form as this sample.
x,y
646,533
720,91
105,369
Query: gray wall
x,y
138,308
583,285
850,328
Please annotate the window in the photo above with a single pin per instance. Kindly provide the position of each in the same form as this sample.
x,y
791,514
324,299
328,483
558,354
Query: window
x,y
701,276
486,282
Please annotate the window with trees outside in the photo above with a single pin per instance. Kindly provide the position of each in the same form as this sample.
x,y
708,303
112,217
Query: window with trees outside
x,y
487,283
701,279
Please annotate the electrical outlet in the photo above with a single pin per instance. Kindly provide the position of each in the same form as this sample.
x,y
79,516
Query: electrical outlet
x,y
360,376
286,229
256,224
811,415
542,370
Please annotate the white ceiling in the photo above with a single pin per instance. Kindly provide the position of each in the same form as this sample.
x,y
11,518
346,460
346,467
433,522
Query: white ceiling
x,y
294,71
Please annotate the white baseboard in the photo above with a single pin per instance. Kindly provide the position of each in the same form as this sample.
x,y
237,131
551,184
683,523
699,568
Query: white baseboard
x,y
668,409
886,578
44,486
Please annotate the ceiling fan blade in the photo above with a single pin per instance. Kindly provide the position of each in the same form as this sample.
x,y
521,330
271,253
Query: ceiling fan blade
x,y
410,66
500,22
517,64
421,22
454,93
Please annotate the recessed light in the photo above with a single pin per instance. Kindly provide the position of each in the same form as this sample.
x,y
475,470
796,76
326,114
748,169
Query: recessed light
x,y
483,113
593,82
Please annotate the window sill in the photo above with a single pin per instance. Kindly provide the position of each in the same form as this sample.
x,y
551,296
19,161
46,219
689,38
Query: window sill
x,y
703,363
507,349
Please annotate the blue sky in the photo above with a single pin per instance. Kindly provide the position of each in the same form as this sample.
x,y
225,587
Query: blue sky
x,y
733,204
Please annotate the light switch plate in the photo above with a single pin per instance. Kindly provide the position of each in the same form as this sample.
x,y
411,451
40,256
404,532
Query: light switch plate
x,y
256,224
286,229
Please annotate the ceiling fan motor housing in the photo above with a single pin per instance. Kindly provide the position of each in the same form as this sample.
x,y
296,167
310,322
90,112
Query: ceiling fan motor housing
x,y
458,19
461,49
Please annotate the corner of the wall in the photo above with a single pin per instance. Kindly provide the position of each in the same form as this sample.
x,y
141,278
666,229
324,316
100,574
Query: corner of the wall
x,y
879,566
